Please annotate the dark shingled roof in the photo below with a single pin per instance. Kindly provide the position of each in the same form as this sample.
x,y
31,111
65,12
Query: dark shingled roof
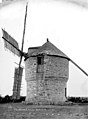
x,y
49,49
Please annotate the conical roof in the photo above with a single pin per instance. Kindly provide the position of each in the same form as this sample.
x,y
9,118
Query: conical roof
x,y
49,49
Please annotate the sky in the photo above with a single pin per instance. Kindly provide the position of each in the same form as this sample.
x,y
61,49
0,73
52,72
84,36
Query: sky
x,y
66,26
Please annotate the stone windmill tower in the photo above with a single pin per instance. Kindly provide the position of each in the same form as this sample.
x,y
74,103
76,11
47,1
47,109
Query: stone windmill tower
x,y
47,72
46,69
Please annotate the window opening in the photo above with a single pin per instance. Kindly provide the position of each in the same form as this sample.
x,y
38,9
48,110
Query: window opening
x,y
40,60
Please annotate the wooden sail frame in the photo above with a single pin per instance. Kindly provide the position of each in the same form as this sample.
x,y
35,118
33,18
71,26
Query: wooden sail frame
x,y
19,68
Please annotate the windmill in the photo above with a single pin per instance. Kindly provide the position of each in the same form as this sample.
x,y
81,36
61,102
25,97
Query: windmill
x,y
11,44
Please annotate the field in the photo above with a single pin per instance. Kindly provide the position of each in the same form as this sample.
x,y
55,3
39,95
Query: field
x,y
22,111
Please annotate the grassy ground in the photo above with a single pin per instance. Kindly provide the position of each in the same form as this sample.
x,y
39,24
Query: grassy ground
x,y
22,111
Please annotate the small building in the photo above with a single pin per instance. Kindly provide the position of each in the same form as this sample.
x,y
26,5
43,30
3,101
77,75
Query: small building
x,y
46,74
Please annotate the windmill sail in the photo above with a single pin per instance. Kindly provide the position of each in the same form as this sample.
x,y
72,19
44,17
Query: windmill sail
x,y
10,43
17,82
19,70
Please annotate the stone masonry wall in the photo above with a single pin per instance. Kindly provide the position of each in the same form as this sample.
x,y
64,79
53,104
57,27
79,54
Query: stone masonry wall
x,y
30,77
56,67
47,86
55,91
56,71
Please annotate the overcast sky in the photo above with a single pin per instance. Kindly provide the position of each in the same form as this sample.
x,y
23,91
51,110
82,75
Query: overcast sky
x,y
66,26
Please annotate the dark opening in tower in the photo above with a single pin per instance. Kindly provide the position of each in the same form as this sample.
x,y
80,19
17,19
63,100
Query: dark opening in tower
x,y
40,62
